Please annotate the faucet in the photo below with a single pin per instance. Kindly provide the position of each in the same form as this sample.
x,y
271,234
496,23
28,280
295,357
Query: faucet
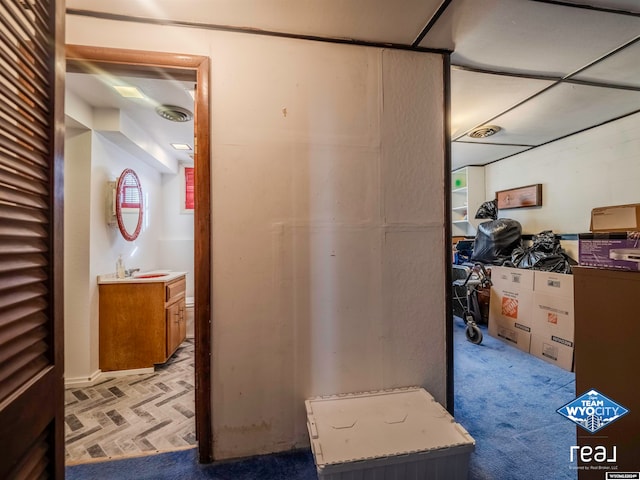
x,y
130,272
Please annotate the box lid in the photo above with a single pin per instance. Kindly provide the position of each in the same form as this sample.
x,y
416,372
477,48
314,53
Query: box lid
x,y
355,427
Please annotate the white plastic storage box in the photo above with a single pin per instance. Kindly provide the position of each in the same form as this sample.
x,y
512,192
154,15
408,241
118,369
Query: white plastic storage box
x,y
392,434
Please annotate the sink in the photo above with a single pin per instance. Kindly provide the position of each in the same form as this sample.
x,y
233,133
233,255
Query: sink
x,y
159,275
152,274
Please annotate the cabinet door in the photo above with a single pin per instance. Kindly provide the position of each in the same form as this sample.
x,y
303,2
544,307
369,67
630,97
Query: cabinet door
x,y
174,325
183,320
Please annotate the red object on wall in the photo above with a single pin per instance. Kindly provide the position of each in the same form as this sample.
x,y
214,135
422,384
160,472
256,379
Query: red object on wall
x,y
130,192
189,188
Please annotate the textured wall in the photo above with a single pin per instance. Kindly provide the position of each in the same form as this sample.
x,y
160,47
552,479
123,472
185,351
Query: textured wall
x,y
328,250
78,325
595,168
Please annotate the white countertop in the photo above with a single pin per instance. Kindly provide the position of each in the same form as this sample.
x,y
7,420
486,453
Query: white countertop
x,y
139,277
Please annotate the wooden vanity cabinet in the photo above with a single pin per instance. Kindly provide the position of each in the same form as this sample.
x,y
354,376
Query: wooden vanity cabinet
x,y
141,324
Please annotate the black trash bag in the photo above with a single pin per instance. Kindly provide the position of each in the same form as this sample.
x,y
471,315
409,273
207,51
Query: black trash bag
x,y
488,209
462,254
544,253
496,240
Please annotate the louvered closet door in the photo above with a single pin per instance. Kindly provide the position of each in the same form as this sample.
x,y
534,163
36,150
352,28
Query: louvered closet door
x,y
31,370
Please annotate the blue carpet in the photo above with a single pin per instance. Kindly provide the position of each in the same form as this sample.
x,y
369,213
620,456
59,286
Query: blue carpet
x,y
183,464
506,399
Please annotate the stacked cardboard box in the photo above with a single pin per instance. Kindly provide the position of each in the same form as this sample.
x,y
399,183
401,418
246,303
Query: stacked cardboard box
x,y
511,306
533,311
553,319
616,218
614,241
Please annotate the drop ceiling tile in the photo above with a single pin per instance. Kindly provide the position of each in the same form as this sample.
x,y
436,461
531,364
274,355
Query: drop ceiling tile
x,y
463,154
478,97
528,37
623,68
369,20
562,110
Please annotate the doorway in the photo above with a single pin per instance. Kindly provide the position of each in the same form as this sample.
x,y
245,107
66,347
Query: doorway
x,y
183,67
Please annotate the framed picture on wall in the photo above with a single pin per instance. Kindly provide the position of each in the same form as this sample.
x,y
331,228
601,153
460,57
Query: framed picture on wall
x,y
521,197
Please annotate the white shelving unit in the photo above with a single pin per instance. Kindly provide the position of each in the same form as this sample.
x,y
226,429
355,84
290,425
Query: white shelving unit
x,y
467,194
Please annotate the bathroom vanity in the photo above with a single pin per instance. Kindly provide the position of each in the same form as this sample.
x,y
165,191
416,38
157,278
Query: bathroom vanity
x,y
142,319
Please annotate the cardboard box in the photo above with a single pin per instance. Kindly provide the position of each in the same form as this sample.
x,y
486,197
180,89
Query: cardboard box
x,y
400,433
551,283
553,349
512,279
553,316
510,332
616,218
533,311
511,295
511,306
620,251
553,326
553,309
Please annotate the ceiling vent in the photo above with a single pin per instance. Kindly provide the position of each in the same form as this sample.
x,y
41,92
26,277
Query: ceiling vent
x,y
174,114
484,132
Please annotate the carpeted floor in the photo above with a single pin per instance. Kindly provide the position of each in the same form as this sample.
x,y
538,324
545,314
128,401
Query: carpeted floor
x,y
506,399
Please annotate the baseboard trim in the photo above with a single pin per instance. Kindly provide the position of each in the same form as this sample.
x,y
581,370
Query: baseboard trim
x,y
100,375
82,381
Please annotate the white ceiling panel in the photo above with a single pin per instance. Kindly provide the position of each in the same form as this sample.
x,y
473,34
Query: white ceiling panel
x,y
478,97
96,90
623,68
537,41
528,37
400,21
463,154
562,110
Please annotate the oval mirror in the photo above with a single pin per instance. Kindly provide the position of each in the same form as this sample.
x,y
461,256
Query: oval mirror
x,y
129,204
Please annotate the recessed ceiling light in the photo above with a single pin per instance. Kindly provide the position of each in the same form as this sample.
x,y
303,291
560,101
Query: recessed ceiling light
x,y
181,146
128,91
484,131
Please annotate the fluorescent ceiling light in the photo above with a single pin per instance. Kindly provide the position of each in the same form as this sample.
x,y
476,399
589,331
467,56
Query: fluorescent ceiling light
x,y
181,146
128,92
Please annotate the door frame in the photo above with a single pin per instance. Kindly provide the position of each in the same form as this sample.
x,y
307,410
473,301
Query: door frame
x,y
179,65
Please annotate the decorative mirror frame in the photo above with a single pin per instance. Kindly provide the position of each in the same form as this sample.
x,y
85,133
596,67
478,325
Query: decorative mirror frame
x,y
119,187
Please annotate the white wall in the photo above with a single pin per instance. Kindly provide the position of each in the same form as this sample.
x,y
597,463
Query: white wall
x,y
107,163
176,243
79,334
91,244
328,221
595,168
